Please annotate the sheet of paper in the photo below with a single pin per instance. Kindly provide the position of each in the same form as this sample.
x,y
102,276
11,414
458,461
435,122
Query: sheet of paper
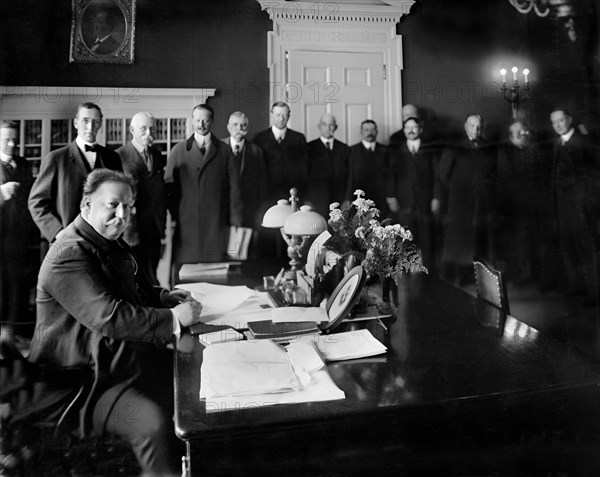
x,y
290,314
320,388
348,345
246,368
217,300
305,360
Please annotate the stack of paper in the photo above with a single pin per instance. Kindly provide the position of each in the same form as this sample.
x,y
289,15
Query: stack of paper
x,y
221,336
348,345
242,374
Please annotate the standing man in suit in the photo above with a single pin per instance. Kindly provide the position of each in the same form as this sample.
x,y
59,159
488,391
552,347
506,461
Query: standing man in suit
x,y
19,237
415,187
147,166
249,162
369,167
469,172
328,167
203,194
56,194
285,154
575,183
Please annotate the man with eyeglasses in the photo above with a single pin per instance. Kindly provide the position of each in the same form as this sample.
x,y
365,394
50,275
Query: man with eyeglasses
x,y
56,194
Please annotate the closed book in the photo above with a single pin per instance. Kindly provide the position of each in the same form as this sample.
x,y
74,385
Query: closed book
x,y
266,329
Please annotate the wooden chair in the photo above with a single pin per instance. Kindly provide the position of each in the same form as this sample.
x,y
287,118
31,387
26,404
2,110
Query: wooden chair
x,y
490,285
29,443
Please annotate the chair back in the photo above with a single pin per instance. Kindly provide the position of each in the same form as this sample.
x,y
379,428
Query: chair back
x,y
490,285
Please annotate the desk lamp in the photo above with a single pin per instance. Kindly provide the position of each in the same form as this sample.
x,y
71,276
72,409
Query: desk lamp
x,y
296,227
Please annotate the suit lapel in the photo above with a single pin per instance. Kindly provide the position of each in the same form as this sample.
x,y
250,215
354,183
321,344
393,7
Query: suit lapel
x,y
77,159
209,154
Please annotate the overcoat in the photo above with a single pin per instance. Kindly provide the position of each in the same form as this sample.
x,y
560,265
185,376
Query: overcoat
x,y
203,196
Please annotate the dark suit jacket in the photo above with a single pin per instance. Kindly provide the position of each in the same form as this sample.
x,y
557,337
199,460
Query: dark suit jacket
x,y
414,179
287,163
469,173
327,174
90,303
368,172
250,163
203,196
108,46
150,218
17,229
56,194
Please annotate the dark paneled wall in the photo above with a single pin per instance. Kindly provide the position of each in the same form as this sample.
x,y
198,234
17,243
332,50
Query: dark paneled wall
x,y
178,44
452,53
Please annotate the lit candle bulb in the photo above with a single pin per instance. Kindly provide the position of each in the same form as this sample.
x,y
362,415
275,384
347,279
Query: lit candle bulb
x,y
514,71
526,74
503,73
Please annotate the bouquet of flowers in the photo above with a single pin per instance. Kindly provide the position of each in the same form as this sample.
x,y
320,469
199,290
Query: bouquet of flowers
x,y
385,250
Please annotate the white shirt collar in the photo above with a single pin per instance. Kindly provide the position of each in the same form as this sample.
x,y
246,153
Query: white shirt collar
x,y
326,141
413,144
202,140
278,133
81,144
138,147
368,145
234,143
6,158
569,135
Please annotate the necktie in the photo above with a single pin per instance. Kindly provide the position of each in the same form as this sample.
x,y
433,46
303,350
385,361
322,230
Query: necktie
x,y
236,149
203,149
280,139
147,160
330,145
91,148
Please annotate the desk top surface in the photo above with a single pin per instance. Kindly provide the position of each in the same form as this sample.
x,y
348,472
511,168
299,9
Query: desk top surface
x,y
443,346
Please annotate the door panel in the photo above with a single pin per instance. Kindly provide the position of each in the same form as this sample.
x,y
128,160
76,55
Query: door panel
x,y
347,85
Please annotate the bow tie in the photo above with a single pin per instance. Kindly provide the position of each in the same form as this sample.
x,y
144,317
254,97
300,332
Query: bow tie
x,y
91,148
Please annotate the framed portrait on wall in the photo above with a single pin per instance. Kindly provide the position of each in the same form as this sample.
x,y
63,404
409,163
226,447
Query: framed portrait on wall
x,y
102,31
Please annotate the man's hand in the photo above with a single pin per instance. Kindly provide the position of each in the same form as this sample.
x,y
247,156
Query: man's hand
x,y
188,313
175,297
435,206
9,189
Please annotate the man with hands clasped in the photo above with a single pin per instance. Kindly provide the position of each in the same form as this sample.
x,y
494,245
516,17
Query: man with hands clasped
x,y
93,300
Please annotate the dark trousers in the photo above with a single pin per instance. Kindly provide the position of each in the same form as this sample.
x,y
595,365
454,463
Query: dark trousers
x,y
142,422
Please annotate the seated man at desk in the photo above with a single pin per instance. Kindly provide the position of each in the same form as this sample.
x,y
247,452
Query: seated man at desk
x,y
92,300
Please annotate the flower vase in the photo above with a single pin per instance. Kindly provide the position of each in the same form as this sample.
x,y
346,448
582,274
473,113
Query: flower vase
x,y
386,306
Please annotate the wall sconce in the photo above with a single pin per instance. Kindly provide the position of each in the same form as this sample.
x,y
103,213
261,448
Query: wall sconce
x,y
296,227
512,93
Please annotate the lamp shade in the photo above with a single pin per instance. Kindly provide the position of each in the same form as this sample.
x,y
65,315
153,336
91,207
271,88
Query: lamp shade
x,y
305,222
276,216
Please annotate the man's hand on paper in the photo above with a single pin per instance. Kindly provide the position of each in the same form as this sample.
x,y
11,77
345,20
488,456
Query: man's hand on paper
x,y
175,297
188,312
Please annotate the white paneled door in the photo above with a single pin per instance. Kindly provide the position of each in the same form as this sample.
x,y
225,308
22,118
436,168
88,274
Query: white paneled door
x,y
347,85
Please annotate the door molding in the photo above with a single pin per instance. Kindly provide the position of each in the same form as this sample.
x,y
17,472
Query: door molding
x,y
344,26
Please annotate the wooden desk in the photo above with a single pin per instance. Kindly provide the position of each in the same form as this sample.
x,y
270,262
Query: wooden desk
x,y
456,394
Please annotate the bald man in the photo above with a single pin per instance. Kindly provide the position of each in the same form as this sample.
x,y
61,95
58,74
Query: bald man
x,y
146,165
327,167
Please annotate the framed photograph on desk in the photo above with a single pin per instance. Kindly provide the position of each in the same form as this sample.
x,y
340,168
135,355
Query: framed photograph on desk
x,y
102,31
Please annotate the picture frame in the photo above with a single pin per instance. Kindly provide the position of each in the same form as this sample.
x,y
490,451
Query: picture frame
x,y
344,297
102,31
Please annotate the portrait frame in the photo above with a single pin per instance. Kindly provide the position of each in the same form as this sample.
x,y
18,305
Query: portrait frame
x,y
344,297
102,31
